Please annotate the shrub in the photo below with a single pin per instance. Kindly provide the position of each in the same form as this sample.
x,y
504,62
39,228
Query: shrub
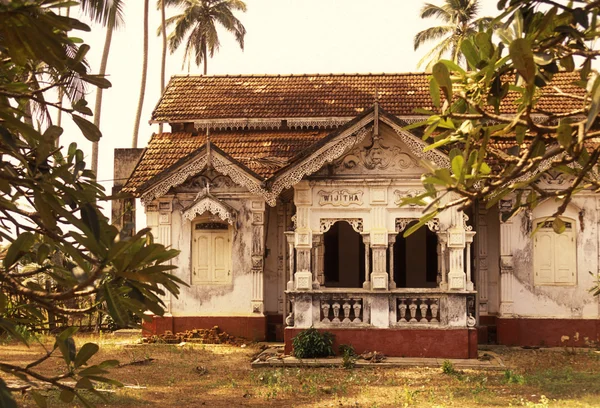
x,y
348,356
311,343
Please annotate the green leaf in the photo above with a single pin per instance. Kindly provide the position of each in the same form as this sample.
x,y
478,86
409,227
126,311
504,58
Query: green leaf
x,y
434,91
67,396
108,364
442,77
115,306
106,380
470,53
522,57
457,165
99,81
453,66
84,383
595,105
39,399
558,225
564,133
538,149
18,248
89,130
6,399
484,43
422,221
85,353
92,370
567,63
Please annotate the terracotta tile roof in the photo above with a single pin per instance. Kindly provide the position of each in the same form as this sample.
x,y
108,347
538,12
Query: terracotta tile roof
x,y
189,98
262,151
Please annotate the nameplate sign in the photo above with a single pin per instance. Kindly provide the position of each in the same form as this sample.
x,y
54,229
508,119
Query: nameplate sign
x,y
340,198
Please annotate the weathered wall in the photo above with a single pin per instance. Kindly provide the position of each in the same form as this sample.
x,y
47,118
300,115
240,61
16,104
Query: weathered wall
x,y
122,215
552,301
272,282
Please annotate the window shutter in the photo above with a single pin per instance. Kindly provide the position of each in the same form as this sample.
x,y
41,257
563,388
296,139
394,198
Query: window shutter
x,y
565,259
220,256
543,257
201,259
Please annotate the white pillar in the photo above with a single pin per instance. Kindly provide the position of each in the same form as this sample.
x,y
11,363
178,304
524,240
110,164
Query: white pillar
x,y
391,244
258,245
456,247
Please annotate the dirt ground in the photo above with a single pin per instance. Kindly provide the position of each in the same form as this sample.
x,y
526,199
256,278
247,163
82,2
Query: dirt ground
x,y
195,375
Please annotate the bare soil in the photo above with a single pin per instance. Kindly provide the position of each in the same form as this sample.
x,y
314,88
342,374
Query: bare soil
x,y
196,375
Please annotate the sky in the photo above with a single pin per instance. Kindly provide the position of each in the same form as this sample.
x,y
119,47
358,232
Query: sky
x,y
283,37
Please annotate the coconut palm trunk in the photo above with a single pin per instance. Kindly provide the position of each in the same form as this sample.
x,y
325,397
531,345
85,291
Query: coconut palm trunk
x,y
98,103
138,116
163,61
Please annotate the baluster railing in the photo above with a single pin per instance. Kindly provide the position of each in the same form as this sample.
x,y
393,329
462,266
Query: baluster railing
x,y
422,310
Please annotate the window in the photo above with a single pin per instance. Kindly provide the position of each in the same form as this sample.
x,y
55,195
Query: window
x,y
554,255
211,253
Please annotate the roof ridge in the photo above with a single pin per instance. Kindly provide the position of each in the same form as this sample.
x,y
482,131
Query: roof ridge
x,y
332,74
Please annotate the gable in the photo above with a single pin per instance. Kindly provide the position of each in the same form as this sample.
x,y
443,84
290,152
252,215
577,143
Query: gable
x,y
384,155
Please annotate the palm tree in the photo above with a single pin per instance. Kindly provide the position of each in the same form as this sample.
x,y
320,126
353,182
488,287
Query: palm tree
x,y
110,14
163,61
138,115
459,18
198,23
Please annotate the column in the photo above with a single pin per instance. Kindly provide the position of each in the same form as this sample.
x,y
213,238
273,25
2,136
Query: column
x,y
303,244
391,244
367,242
443,271
469,236
258,250
379,275
456,247
316,255
289,235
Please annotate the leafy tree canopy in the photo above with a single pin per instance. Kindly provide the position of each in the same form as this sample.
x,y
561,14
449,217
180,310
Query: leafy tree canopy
x,y
498,158
61,256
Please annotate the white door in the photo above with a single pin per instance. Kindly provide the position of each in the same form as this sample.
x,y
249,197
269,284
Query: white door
x,y
211,257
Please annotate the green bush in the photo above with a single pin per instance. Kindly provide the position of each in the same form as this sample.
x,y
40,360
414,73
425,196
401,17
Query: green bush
x,y
311,343
348,356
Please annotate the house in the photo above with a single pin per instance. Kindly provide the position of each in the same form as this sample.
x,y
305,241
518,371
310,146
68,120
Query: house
x,y
282,193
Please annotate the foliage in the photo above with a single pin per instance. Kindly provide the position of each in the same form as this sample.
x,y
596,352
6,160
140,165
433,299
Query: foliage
x,y
499,158
348,356
511,377
448,368
459,22
311,343
198,22
62,256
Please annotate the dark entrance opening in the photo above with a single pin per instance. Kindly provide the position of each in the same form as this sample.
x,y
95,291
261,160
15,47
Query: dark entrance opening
x,y
344,257
415,259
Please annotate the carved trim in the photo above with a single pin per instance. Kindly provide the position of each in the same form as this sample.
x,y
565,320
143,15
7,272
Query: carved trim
x,y
238,124
317,122
325,224
240,177
178,177
465,225
324,155
416,146
212,205
402,223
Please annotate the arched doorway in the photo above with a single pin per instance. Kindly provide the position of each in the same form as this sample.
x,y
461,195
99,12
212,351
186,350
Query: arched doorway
x,y
344,257
416,259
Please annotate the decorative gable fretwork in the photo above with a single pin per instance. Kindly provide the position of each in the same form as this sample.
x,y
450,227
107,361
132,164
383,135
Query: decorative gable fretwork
x,y
327,223
221,164
211,204
325,154
174,179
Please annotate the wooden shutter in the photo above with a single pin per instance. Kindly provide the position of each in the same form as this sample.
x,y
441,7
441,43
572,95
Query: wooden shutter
x,y
543,257
201,262
565,257
221,256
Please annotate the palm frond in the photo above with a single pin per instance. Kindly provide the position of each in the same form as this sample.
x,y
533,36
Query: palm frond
x,y
109,13
430,34
431,10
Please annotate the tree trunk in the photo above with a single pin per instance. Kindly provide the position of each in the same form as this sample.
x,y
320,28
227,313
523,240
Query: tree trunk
x,y
98,104
138,115
163,61
205,56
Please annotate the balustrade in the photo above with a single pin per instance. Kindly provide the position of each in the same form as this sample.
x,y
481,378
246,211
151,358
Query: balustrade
x,y
418,310
341,310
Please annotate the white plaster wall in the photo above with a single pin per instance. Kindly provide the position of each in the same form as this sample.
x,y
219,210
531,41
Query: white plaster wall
x,y
493,240
229,299
560,300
